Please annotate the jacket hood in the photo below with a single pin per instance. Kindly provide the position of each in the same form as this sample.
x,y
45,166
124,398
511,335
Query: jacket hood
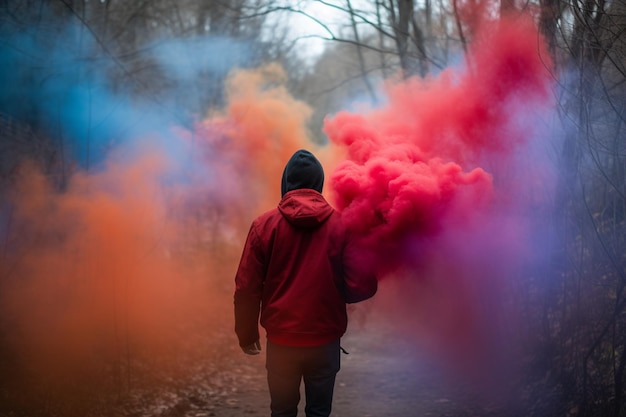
x,y
303,170
305,208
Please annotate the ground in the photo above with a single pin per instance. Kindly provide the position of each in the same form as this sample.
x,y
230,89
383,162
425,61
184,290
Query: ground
x,y
385,374
382,375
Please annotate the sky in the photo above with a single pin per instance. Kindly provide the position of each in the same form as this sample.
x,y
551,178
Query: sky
x,y
312,32
303,26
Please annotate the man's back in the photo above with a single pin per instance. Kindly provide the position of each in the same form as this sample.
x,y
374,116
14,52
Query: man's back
x,y
297,248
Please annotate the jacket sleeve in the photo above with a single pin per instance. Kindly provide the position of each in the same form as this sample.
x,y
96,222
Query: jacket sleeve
x,y
248,290
360,281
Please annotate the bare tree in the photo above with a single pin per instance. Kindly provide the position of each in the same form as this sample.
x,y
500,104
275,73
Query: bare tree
x,y
586,315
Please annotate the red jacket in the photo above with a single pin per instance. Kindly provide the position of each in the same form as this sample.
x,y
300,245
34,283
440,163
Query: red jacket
x,y
299,271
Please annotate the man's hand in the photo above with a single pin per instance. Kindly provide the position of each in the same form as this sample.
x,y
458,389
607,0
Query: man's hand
x,y
252,349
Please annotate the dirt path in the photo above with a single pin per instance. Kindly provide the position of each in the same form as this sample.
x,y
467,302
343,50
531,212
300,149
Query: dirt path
x,y
382,376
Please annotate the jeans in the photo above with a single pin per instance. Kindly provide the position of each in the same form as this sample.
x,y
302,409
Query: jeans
x,y
287,366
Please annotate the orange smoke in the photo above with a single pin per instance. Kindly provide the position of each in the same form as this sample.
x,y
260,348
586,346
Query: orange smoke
x,y
261,126
134,263
95,267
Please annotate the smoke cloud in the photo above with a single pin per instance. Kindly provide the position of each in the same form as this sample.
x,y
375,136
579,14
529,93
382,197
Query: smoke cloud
x,y
134,255
426,159
119,248
445,185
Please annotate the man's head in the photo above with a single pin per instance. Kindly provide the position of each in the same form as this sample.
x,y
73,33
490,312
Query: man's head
x,y
303,170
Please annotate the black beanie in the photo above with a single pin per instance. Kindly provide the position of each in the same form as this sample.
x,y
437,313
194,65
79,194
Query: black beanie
x,y
303,170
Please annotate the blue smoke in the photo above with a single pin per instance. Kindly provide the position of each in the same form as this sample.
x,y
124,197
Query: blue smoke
x,y
57,79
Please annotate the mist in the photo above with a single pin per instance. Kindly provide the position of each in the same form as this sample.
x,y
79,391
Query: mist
x,y
120,250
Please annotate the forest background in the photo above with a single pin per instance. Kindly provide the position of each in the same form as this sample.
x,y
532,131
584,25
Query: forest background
x,y
139,139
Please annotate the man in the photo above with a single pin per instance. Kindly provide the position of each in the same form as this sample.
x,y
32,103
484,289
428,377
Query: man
x,y
298,270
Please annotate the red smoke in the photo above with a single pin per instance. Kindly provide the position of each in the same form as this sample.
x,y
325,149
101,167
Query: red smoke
x,y
438,186
415,166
